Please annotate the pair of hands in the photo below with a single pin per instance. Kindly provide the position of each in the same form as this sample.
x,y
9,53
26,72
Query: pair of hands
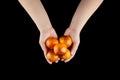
x,y
51,33
83,12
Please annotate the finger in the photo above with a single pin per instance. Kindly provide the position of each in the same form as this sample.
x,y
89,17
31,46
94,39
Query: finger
x,y
57,60
47,59
73,51
44,51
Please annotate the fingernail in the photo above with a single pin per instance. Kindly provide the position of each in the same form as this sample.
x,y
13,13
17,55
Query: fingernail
x,y
56,61
50,62
66,61
62,59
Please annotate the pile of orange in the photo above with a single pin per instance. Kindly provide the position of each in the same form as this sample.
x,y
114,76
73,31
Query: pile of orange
x,y
58,48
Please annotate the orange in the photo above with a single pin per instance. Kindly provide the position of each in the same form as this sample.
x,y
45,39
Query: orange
x,y
51,56
50,42
60,49
67,40
67,55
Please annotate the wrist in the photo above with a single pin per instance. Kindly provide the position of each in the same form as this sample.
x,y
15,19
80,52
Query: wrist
x,y
75,30
46,28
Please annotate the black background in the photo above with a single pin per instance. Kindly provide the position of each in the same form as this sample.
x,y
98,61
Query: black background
x,y
21,50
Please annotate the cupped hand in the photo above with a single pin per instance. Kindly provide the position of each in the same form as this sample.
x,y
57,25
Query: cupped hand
x,y
76,41
43,36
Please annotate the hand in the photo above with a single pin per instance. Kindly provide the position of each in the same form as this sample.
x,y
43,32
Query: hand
x,y
76,41
50,32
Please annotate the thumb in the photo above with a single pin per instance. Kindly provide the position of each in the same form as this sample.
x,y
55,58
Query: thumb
x,y
73,51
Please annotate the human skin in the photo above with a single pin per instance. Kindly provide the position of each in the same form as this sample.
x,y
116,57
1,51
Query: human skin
x,y
35,9
38,14
84,11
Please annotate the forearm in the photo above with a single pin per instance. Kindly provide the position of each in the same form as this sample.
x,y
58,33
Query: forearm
x,y
37,12
84,11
